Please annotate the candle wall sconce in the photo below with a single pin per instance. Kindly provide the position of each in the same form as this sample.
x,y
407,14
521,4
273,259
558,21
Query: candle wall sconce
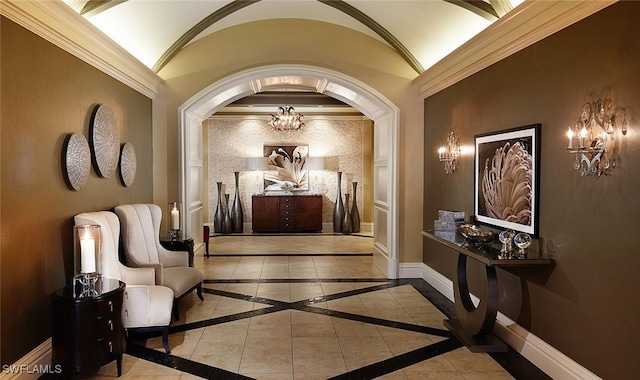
x,y
87,266
175,226
450,152
593,139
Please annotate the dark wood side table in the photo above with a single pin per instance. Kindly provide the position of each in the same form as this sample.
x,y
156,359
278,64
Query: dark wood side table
x,y
474,324
182,244
87,329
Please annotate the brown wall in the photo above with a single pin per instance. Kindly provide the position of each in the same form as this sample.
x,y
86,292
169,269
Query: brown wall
x,y
586,306
46,94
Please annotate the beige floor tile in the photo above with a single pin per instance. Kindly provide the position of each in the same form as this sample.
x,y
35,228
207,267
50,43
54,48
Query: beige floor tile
x,y
301,317
226,362
360,360
363,345
349,328
313,330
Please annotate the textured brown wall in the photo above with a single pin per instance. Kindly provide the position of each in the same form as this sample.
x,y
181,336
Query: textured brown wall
x,y
46,94
585,307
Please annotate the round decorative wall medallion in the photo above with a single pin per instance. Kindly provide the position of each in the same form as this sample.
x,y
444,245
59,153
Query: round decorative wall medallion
x,y
77,161
105,141
128,164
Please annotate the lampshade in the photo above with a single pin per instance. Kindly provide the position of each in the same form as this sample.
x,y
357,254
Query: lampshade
x,y
257,163
314,163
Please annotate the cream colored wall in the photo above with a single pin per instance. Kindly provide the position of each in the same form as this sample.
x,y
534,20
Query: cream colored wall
x,y
307,42
340,142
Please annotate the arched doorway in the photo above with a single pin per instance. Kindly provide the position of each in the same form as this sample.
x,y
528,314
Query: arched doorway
x,y
367,100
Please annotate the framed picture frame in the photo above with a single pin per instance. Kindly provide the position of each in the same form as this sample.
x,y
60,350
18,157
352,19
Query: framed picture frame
x,y
507,179
287,170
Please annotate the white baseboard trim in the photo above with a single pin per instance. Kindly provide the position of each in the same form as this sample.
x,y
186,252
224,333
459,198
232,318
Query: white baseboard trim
x,y
551,361
31,366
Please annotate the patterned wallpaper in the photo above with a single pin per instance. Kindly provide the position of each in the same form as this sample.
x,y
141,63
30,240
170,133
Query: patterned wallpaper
x,y
231,141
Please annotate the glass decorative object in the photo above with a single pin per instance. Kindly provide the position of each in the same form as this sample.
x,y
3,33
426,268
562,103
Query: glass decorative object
x,y
175,226
86,253
522,240
506,238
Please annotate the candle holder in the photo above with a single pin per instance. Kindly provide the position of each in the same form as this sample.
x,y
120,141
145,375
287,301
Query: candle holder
x,y
175,222
87,265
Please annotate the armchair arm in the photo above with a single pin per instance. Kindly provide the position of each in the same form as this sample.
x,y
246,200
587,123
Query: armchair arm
x,y
138,276
135,306
157,267
173,258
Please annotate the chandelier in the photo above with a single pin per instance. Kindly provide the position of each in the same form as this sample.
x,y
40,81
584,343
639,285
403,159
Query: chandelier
x,y
286,119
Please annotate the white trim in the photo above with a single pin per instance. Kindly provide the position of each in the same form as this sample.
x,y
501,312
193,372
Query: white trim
x,y
527,24
32,365
553,362
62,26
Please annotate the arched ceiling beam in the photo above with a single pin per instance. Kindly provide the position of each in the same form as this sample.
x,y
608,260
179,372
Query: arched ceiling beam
x,y
479,7
378,29
93,7
200,27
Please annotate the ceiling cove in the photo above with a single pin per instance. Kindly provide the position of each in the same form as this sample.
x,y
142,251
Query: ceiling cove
x,y
491,11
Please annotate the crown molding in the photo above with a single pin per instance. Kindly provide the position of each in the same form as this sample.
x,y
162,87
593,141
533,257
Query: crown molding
x,y
527,24
62,26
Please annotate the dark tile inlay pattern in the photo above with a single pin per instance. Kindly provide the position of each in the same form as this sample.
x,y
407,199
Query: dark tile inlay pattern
x,y
515,364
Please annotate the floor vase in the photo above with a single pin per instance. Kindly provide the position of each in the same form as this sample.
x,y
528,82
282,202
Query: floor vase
x,y
346,218
219,214
338,209
355,213
236,208
227,223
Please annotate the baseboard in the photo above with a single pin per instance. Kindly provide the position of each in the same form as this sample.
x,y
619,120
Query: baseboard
x,y
544,356
31,366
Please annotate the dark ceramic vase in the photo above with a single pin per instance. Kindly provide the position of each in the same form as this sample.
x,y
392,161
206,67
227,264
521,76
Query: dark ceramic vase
x,y
219,214
355,214
227,223
338,209
346,218
236,209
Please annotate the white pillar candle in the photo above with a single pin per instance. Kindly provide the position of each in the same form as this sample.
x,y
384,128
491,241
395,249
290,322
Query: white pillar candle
x,y
87,254
570,136
175,218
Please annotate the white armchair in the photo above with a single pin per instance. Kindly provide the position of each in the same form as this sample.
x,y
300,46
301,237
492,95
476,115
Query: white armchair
x,y
142,248
146,306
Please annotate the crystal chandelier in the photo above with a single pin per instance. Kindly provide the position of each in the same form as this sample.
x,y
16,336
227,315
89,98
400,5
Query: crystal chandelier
x,y
286,119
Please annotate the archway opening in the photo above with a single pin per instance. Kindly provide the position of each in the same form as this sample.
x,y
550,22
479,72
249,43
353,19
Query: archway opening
x,y
349,90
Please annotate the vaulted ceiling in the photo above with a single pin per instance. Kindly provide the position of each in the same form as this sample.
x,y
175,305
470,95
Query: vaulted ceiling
x,y
421,31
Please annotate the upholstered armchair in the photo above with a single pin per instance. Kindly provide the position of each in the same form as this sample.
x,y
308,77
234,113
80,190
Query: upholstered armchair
x,y
146,306
141,242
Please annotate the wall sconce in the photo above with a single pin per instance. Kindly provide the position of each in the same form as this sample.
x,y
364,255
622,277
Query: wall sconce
x,y
449,153
175,208
257,164
594,136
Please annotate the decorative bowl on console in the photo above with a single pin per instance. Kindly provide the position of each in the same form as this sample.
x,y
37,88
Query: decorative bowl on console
x,y
476,235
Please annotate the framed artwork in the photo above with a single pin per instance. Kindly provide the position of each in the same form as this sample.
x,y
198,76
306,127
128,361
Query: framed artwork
x,y
286,168
507,177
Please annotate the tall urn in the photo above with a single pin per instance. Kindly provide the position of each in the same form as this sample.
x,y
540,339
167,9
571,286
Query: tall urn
x,y
346,219
219,214
227,223
355,214
338,209
236,208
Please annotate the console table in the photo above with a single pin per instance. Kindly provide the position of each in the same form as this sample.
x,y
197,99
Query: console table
x,y
473,324
286,213
87,329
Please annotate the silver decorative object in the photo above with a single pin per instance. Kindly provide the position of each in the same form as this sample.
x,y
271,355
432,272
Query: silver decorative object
x,y
105,141
77,161
522,240
506,238
128,165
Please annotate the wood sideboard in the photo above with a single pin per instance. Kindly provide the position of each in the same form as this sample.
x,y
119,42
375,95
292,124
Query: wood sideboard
x,y
286,213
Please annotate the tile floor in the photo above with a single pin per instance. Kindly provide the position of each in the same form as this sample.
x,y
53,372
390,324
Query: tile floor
x,y
310,317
